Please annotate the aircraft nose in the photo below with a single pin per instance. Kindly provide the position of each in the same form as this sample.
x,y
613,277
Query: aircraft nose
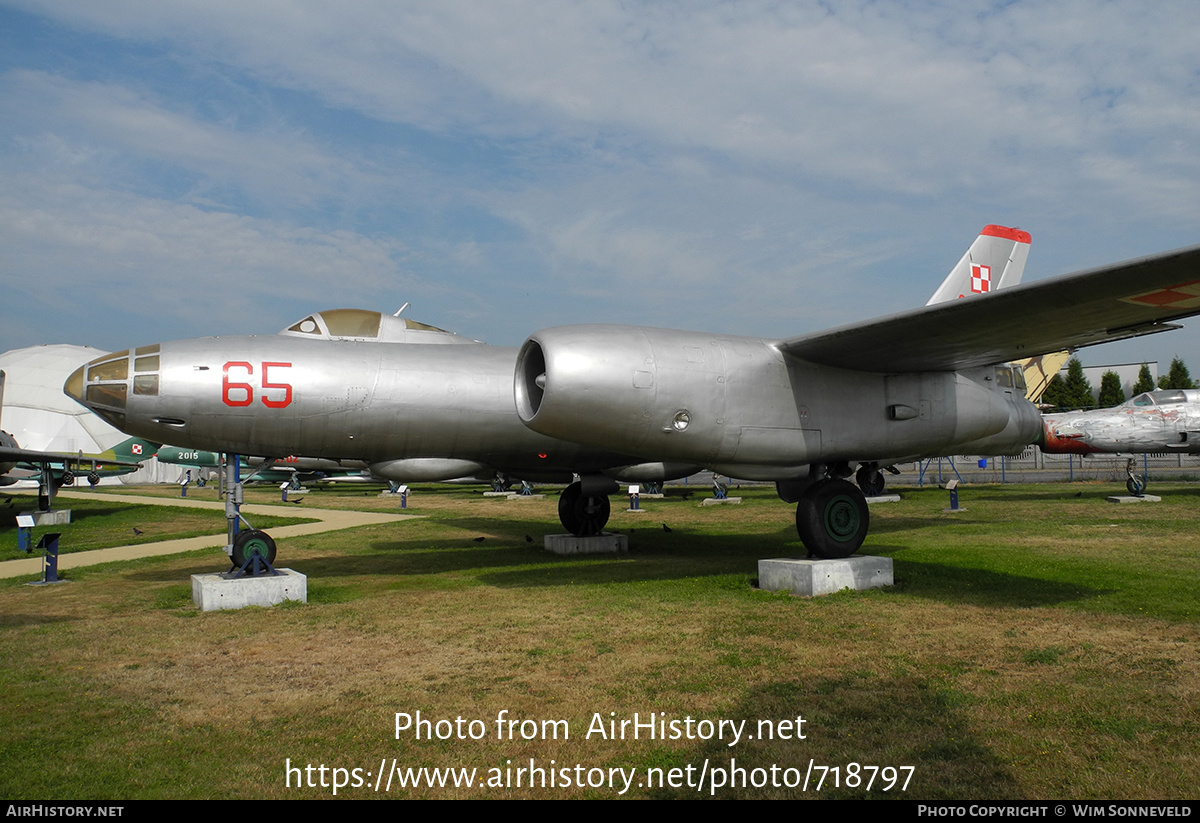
x,y
73,388
104,384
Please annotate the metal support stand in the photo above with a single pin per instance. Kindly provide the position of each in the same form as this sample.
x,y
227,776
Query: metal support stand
x,y
49,543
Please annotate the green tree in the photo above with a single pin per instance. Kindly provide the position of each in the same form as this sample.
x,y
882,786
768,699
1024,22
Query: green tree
x,y
1055,394
1144,382
1178,376
1111,393
1078,389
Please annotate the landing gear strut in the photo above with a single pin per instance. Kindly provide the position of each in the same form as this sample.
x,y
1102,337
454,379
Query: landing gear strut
x,y
832,518
581,514
1134,483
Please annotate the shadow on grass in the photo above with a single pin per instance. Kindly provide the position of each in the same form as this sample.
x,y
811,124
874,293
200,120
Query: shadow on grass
x,y
977,587
861,718
507,560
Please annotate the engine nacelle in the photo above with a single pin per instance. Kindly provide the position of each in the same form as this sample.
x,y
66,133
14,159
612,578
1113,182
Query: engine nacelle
x,y
659,393
744,408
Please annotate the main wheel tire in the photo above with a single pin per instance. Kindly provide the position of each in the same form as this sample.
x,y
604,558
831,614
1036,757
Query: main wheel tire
x,y
251,542
592,514
871,481
1135,485
832,518
566,507
581,515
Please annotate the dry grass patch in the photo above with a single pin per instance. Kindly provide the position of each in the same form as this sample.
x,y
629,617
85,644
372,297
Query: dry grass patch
x,y
1000,666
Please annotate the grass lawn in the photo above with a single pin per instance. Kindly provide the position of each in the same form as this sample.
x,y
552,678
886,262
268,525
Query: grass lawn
x,y
104,522
1043,643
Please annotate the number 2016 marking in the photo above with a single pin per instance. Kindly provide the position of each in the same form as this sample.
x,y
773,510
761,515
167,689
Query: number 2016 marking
x,y
242,394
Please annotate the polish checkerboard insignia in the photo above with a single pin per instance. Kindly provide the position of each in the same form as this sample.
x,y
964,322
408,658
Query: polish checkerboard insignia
x,y
981,279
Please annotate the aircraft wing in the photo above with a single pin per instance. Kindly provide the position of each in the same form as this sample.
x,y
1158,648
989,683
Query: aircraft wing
x,y
1095,306
12,454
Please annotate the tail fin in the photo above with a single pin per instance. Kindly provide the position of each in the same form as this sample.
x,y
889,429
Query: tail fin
x,y
133,449
996,259
1039,371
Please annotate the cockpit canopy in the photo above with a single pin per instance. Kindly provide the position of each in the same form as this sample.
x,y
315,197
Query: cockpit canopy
x,y
1163,397
369,326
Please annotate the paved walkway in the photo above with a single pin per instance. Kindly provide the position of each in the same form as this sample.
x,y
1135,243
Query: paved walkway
x,y
327,520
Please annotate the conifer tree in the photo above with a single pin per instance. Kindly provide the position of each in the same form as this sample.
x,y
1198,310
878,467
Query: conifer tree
x,y
1144,381
1078,389
1055,394
1111,393
1178,376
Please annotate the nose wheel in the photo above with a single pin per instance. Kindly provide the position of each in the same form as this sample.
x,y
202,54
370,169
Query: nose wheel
x,y
252,542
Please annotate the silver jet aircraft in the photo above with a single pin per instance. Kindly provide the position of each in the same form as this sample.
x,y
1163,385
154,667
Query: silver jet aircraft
x,y
631,404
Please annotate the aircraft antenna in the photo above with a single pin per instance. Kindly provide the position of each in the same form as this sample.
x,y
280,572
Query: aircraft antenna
x,y
401,309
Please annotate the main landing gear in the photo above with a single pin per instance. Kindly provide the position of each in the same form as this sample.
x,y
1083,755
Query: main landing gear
x,y
583,514
870,479
832,518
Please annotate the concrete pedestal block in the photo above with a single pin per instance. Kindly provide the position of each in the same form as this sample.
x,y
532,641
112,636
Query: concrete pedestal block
x,y
603,543
57,517
811,578
717,501
211,592
883,498
1129,498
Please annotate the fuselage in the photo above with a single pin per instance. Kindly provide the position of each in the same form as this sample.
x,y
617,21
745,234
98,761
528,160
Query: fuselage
x,y
632,403
375,402
1167,420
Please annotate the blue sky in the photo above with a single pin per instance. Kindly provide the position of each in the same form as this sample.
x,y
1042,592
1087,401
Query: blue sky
x,y
180,169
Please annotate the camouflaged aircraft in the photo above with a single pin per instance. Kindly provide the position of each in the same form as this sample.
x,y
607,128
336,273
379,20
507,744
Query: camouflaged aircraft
x,y
53,470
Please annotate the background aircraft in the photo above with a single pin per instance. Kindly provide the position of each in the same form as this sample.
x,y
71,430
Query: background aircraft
x,y
271,470
53,469
619,403
1167,420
